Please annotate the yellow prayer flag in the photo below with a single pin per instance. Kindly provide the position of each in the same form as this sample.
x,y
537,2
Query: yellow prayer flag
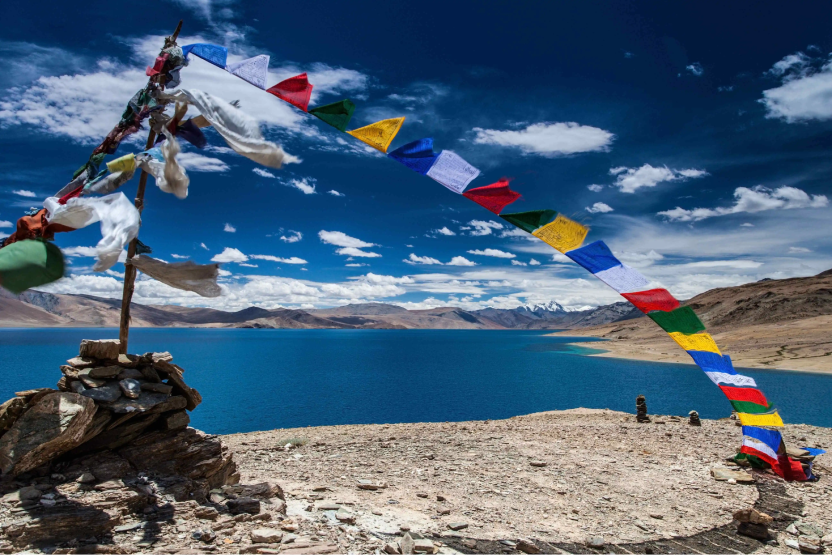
x,y
563,234
772,419
695,342
126,163
380,134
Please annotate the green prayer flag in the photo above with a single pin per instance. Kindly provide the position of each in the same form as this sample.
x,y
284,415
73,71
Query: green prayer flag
x,y
683,320
337,114
753,461
530,221
27,264
748,407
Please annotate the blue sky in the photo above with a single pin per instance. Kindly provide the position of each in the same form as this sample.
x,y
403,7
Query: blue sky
x,y
694,141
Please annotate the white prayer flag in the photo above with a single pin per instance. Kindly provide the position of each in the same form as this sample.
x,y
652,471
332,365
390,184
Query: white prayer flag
x,y
623,279
452,171
254,70
731,379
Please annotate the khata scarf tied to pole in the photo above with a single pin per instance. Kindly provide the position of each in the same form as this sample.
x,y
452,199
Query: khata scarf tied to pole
x,y
187,276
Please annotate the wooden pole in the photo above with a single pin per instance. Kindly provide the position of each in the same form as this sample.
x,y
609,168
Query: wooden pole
x,y
129,269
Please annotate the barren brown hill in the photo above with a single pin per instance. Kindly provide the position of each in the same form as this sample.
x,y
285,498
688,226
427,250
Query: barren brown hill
x,y
781,324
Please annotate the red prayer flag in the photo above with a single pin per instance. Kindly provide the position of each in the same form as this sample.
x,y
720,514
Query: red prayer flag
x,y
652,299
158,66
748,394
789,469
294,90
72,194
494,197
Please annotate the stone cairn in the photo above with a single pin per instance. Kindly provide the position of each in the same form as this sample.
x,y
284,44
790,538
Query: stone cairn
x,y
111,445
694,418
641,409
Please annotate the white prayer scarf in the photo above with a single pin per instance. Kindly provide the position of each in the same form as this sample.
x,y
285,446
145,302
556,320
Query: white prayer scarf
x,y
187,276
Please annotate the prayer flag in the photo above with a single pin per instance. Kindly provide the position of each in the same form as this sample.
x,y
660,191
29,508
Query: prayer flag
x,y
452,171
380,134
730,379
772,419
253,70
683,319
212,53
652,299
531,220
761,443
337,114
126,163
695,342
29,263
746,394
712,362
595,257
418,155
158,66
562,234
493,197
623,279
294,90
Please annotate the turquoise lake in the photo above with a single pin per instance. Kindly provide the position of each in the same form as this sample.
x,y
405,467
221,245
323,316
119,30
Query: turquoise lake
x,y
264,379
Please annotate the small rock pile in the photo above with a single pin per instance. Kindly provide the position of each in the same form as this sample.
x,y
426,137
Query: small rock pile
x,y
694,418
641,409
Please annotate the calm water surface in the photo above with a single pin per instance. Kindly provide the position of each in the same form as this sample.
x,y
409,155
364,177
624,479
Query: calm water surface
x,y
265,379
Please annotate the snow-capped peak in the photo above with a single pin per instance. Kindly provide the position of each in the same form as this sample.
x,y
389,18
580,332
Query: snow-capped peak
x,y
542,308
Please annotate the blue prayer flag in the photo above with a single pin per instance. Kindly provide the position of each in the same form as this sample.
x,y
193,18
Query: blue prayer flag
x,y
418,155
712,362
595,257
212,53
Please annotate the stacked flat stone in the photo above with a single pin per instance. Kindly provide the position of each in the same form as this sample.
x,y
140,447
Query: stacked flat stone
x,y
694,418
641,409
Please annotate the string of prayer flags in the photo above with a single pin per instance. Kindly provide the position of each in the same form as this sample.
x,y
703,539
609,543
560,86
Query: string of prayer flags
x,y
746,399
594,257
452,171
30,263
338,114
761,443
695,342
217,55
683,319
652,299
418,155
493,197
771,420
126,163
187,276
623,278
107,184
563,234
380,134
294,90
531,220
253,70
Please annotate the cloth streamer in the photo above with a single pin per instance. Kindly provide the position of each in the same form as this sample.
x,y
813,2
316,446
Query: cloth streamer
x,y
772,420
730,379
452,171
240,131
531,220
562,234
119,219
652,299
338,114
683,319
170,176
623,278
380,134
35,227
187,276
712,361
108,184
695,342
746,396
418,155
594,257
253,70
761,443
27,264
294,90
217,55
493,197
126,163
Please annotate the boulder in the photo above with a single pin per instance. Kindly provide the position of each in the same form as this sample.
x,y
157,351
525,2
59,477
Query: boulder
x,y
723,475
266,535
809,544
10,411
243,505
50,428
101,348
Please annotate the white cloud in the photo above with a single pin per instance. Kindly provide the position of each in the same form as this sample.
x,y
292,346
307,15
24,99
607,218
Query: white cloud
x,y
629,180
355,265
598,207
534,262
290,260
481,228
80,251
444,231
799,250
179,256
340,239
229,228
696,69
264,173
204,246
292,237
413,259
229,255
518,263
496,253
354,251
513,232
595,188
335,193
460,261
6,223
249,265
757,199
791,67
24,193
746,225
549,139
305,185
194,162
806,90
